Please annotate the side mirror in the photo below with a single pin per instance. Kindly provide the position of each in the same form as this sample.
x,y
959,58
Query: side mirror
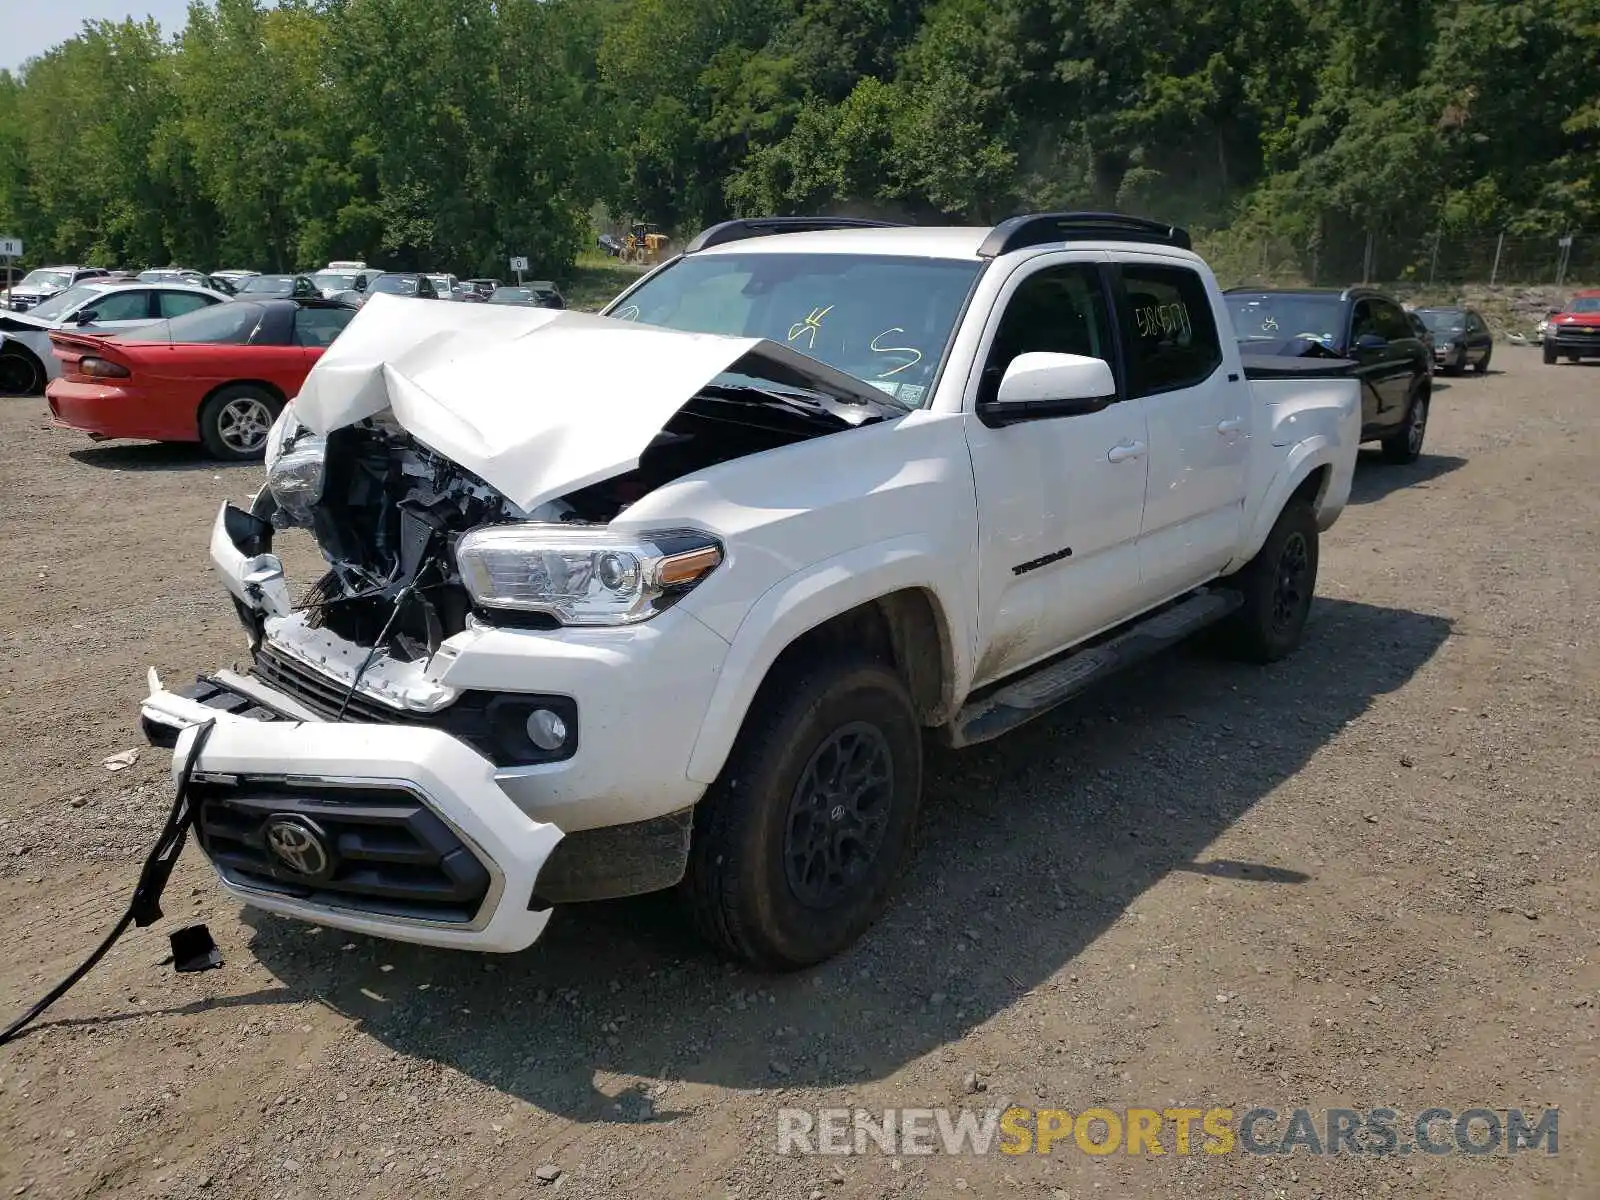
x,y
1040,384
86,316
1371,341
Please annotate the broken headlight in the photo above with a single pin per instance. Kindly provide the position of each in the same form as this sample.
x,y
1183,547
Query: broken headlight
x,y
295,461
586,576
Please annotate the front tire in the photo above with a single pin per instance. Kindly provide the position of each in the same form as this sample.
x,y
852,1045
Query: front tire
x,y
235,421
797,844
1405,444
1482,365
1277,584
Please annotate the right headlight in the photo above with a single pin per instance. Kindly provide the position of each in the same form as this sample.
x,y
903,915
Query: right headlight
x,y
295,462
582,576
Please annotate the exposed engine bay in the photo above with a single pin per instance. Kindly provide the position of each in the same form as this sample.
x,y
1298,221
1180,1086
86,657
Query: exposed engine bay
x,y
388,511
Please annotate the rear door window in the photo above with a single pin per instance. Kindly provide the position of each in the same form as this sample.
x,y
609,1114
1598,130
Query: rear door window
x,y
131,305
1168,328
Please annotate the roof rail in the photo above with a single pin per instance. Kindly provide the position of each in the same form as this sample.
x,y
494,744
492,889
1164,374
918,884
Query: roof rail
x,y
1038,229
749,227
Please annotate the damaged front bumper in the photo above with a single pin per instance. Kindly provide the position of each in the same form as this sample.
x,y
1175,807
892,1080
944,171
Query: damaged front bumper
x,y
438,833
384,830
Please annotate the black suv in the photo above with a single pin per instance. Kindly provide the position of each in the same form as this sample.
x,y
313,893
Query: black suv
x,y
1365,326
1461,338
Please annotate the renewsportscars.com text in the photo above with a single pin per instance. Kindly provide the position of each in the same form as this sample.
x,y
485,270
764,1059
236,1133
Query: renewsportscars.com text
x,y
1155,1132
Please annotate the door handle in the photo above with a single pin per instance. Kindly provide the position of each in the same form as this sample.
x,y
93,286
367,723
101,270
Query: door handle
x,y
1231,425
1124,451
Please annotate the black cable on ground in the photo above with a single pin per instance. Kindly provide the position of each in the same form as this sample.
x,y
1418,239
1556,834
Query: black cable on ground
x,y
145,906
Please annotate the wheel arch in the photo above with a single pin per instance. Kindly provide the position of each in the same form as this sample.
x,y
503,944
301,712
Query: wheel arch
x,y
271,389
896,612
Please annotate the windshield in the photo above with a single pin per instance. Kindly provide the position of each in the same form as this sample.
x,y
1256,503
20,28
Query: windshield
x,y
1443,320
512,296
1277,317
395,285
217,324
1585,304
45,279
65,302
338,281
268,285
883,318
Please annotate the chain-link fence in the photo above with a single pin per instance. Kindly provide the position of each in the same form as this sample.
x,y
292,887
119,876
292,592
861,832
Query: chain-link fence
x,y
1501,259
1430,260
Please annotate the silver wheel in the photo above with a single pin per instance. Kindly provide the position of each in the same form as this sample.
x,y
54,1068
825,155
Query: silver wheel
x,y
242,424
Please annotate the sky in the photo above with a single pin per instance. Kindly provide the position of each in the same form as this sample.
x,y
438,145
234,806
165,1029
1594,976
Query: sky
x,y
30,27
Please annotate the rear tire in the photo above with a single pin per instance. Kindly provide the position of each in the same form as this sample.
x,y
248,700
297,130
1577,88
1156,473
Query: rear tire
x,y
234,422
1572,358
20,373
1405,444
1277,584
797,844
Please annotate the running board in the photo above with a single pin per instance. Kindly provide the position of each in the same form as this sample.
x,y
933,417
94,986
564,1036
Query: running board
x,y
1037,693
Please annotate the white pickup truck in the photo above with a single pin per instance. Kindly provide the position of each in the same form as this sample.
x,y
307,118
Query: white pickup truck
x,y
672,595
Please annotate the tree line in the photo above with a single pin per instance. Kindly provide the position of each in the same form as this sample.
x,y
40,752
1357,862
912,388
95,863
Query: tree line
x,y
454,132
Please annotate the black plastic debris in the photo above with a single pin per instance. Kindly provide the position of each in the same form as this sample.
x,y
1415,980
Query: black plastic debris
x,y
194,950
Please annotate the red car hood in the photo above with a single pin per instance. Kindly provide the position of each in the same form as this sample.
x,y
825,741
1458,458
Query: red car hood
x,y
1588,320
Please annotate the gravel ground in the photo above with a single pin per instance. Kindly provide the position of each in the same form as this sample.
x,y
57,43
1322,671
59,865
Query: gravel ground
x,y
1365,877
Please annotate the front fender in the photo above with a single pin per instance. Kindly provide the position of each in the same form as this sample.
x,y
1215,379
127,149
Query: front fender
x,y
804,600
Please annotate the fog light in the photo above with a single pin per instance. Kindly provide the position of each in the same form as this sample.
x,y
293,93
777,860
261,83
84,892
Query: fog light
x,y
546,729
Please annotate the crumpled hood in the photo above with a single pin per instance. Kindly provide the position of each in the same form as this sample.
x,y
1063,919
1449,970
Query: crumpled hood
x,y
536,402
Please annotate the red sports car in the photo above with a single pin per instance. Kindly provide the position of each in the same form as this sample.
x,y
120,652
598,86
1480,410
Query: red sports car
x,y
219,376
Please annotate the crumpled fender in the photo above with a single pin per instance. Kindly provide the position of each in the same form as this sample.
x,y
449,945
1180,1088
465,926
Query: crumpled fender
x,y
802,601
256,581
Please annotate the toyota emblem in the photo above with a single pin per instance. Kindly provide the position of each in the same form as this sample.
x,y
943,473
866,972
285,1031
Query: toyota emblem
x,y
300,846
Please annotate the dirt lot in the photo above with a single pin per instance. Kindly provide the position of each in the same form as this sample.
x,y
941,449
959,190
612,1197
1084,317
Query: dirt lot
x,y
1365,877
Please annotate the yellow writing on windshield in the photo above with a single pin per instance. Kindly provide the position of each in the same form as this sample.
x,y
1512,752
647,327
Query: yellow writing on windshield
x,y
916,355
808,328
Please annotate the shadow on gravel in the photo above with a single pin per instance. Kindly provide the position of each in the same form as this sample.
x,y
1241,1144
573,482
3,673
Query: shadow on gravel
x,y
1030,848
154,456
1375,478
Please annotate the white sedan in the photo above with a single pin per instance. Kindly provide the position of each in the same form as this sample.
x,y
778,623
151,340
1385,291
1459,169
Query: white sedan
x,y
26,363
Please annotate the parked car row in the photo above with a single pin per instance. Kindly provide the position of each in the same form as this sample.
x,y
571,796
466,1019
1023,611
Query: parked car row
x,y
168,356
356,281
338,278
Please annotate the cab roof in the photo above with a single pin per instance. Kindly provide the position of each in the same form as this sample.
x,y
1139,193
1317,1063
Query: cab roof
x,y
848,235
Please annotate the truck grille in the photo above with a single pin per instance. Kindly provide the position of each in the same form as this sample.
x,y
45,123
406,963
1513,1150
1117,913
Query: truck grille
x,y
492,724
323,695
379,850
